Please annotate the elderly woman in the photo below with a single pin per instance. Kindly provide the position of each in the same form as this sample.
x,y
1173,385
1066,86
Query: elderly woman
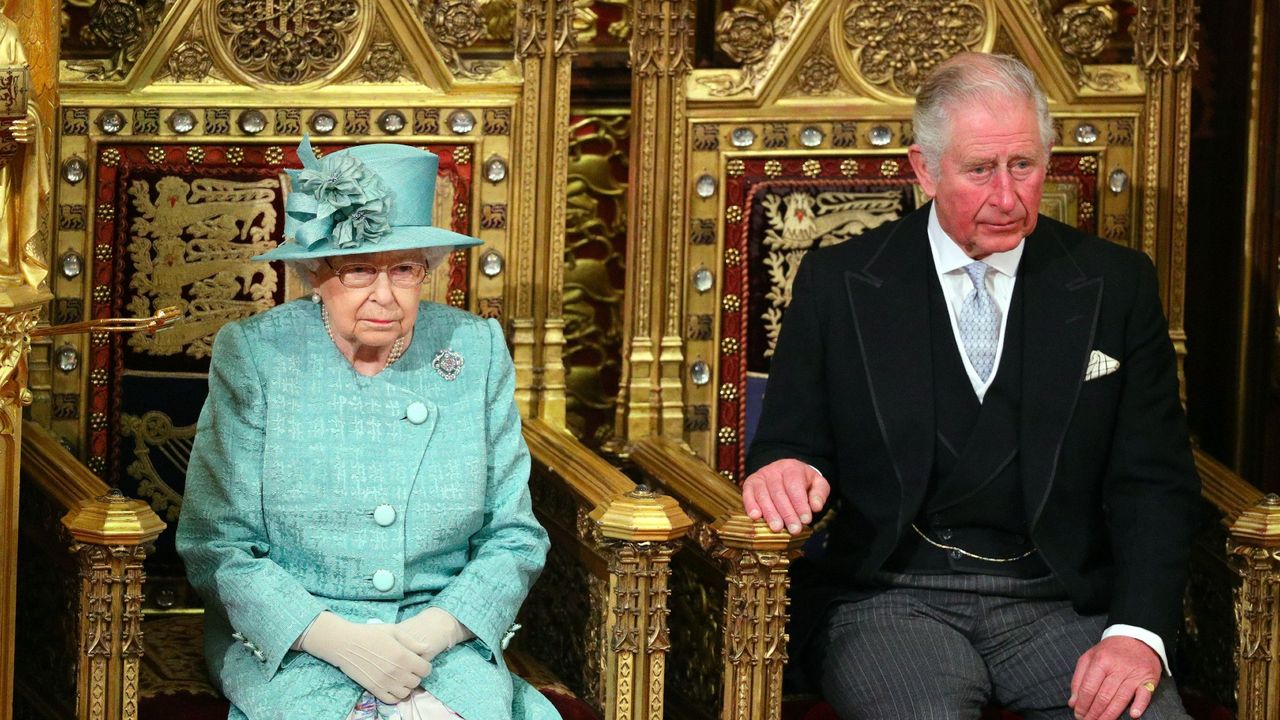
x,y
357,514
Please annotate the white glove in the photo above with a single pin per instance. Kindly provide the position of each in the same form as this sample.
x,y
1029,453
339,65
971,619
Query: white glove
x,y
436,629
383,659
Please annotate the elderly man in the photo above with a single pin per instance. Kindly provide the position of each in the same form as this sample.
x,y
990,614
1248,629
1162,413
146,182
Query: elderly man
x,y
990,400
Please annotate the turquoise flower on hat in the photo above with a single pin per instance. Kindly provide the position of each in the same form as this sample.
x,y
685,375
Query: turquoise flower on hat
x,y
367,223
338,183
339,198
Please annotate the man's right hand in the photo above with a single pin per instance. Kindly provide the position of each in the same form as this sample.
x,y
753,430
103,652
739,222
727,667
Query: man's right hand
x,y
382,658
785,493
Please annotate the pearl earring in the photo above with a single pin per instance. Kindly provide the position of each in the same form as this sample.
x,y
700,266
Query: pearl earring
x,y
315,296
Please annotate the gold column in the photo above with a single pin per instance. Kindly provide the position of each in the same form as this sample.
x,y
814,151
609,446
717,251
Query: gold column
x,y
755,635
545,44
112,536
1253,550
755,561
28,62
651,395
634,532
1165,48
638,533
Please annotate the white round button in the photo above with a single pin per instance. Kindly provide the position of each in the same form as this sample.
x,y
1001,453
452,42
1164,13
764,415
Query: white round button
x,y
417,413
384,515
383,581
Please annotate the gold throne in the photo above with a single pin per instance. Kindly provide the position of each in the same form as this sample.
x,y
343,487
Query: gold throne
x,y
172,132
802,143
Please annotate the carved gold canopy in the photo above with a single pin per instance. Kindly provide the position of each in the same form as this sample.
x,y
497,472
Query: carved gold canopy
x,y
172,146
814,122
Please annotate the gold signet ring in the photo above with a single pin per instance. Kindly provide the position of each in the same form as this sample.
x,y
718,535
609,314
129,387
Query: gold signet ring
x,y
1150,685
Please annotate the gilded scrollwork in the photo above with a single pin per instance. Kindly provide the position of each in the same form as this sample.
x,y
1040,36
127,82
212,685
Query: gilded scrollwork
x,y
595,240
818,74
780,30
894,45
564,624
696,673
189,62
639,573
755,610
456,25
15,340
744,34
1164,35
1252,553
574,20
384,63
110,629
190,245
286,44
531,35
123,26
1085,27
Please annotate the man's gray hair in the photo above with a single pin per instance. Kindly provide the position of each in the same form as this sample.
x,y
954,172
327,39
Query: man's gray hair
x,y
967,79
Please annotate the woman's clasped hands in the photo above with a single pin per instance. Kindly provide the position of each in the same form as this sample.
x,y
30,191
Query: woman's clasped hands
x,y
387,660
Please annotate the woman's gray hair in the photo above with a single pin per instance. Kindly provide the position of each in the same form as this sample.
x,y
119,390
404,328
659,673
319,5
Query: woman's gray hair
x,y
305,270
967,79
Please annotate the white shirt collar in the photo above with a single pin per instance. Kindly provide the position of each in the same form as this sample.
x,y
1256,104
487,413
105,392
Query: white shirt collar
x,y
948,257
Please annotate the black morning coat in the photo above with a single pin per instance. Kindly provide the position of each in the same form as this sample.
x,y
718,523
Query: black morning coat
x,y
1110,487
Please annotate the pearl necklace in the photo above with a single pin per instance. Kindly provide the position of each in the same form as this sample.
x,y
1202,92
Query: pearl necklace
x,y
397,348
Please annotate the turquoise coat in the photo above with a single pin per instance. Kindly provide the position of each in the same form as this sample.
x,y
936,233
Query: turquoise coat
x,y
294,453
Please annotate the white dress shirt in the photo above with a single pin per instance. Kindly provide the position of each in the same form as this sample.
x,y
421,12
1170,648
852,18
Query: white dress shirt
x,y
949,262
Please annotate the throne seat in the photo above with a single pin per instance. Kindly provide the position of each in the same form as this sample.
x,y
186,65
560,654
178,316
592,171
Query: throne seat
x,y
173,681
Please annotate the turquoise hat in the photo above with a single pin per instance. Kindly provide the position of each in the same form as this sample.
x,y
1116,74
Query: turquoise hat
x,y
365,199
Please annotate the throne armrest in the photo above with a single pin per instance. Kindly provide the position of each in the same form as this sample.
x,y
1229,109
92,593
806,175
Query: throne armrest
x,y
598,615
740,672
1253,552
110,536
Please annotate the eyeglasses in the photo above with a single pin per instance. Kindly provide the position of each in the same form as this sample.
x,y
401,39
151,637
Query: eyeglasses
x,y
362,275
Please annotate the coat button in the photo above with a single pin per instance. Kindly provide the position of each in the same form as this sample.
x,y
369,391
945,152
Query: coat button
x,y
383,581
384,515
945,533
417,413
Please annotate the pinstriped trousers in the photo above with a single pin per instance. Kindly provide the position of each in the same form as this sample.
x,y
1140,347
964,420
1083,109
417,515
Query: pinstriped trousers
x,y
940,647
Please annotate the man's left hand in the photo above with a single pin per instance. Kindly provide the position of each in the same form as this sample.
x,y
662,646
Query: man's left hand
x,y
1116,673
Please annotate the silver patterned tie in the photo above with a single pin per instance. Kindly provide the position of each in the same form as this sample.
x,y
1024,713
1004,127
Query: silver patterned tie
x,y
979,321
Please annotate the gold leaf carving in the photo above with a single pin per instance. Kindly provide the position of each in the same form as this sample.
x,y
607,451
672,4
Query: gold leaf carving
x,y
894,45
1084,28
818,75
744,34
286,43
456,25
783,26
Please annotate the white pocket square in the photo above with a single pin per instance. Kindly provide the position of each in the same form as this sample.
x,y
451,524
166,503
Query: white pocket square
x,y
1100,365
